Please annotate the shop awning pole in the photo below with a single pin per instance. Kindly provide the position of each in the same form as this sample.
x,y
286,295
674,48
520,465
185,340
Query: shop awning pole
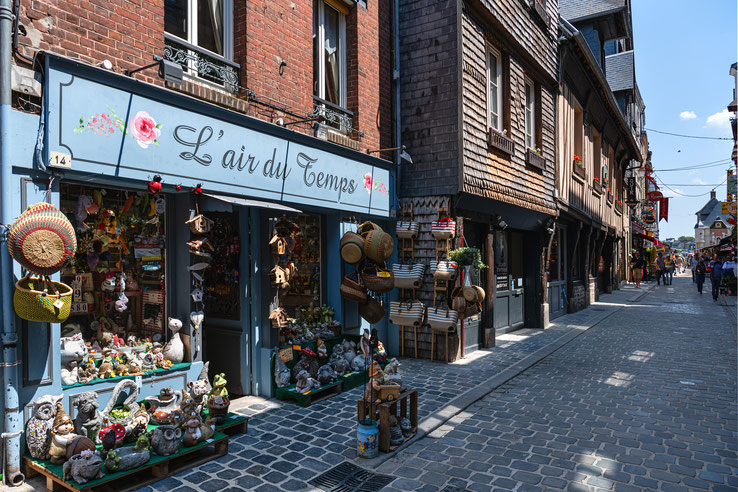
x,y
13,426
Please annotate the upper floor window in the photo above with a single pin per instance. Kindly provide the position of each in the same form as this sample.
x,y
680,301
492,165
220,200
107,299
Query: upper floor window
x,y
329,51
207,24
530,115
494,96
597,155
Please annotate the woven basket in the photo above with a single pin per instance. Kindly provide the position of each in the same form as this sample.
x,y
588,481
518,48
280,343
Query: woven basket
x,y
407,229
444,269
366,227
474,293
378,245
378,279
40,299
372,311
470,310
351,289
458,303
42,239
352,247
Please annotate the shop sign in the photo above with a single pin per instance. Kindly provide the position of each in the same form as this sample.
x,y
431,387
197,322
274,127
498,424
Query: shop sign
x,y
729,208
101,128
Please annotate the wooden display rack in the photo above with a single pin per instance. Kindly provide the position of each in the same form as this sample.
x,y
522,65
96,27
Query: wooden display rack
x,y
158,468
408,407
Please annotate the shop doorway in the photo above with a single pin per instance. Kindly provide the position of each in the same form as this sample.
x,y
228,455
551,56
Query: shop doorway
x,y
509,292
556,275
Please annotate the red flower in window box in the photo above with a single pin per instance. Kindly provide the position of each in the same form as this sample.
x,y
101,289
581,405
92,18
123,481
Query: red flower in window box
x,y
596,179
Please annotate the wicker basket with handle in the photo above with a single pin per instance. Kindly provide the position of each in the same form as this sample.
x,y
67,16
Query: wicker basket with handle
x,y
41,299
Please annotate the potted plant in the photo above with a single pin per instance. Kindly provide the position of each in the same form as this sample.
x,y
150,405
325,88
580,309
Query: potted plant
x,y
578,161
467,257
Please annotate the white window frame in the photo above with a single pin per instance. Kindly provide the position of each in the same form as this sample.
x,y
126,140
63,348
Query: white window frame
x,y
321,6
530,107
227,30
499,86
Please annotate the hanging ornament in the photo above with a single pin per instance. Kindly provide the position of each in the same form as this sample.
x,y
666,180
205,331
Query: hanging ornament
x,y
155,185
198,189
178,187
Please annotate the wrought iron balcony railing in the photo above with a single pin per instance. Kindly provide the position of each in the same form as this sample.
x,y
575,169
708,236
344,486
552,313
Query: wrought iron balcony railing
x,y
202,63
333,115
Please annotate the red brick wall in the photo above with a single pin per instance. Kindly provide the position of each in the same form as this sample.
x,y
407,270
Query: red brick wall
x,y
266,32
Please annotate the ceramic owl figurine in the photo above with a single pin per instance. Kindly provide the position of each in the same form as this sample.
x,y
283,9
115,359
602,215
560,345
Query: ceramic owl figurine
x,y
165,439
38,427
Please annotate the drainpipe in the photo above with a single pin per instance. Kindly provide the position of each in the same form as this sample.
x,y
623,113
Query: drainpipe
x,y
9,339
396,77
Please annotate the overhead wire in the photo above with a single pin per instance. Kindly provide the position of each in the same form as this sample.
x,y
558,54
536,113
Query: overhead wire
x,y
705,165
689,196
701,137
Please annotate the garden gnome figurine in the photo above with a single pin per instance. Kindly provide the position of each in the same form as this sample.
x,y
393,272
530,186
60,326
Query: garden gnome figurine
x,y
61,435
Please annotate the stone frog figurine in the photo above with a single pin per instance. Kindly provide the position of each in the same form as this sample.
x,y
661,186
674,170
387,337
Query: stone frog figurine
x,y
88,420
83,467
218,400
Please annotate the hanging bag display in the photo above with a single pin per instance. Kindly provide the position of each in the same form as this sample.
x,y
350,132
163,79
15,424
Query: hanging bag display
x,y
378,279
352,247
443,228
351,288
41,299
366,227
458,303
470,310
407,313
444,269
442,318
372,311
407,229
474,293
408,276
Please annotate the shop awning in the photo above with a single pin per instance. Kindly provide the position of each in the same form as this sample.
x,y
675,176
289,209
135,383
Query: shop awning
x,y
655,241
252,203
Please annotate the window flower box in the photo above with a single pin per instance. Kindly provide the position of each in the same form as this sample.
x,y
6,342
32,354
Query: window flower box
x,y
579,167
500,141
619,206
534,159
609,196
596,186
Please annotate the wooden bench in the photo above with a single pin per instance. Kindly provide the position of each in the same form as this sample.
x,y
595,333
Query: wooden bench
x,y
408,407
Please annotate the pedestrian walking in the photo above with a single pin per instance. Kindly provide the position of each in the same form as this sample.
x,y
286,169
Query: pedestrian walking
x,y
668,269
636,268
693,264
716,276
700,271
660,269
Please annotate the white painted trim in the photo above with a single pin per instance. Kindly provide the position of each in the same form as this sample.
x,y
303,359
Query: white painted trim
x,y
499,83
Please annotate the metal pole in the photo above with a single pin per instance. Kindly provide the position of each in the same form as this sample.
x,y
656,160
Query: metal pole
x,y
13,422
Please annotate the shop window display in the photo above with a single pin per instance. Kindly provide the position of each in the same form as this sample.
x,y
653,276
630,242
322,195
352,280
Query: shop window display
x,y
222,248
118,276
305,280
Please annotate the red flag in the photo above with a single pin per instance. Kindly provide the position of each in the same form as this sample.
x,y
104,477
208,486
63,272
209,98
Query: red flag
x,y
653,181
664,209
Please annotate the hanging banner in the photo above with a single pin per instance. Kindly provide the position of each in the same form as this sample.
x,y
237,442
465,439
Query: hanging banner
x,y
732,183
664,209
653,181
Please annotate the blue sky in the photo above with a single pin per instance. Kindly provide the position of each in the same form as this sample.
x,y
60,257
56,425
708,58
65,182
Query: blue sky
x,y
683,52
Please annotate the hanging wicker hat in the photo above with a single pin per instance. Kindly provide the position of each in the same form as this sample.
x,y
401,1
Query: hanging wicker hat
x,y
42,240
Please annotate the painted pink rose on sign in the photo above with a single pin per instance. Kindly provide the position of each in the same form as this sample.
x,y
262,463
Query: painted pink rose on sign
x,y
144,129
368,182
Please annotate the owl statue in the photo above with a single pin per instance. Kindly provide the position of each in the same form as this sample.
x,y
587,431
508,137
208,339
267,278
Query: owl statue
x,y
38,427
165,439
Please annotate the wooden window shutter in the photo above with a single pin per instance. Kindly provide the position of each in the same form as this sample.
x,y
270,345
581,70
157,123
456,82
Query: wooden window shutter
x,y
538,116
506,92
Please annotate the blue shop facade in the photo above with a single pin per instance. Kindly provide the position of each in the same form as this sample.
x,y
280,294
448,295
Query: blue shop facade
x,y
100,142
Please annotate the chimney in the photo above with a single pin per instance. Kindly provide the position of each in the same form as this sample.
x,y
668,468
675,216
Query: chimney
x,y
712,194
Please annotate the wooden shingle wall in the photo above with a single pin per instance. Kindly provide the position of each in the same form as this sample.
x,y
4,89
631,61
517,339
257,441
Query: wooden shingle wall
x,y
429,95
488,172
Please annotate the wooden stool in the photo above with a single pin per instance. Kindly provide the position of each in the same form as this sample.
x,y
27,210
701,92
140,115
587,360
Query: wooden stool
x,y
435,332
381,412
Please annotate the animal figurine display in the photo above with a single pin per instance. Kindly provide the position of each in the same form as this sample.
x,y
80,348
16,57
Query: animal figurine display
x,y
305,383
322,349
70,374
126,387
371,392
118,433
360,363
340,366
38,427
63,436
129,457
218,400
87,370
165,439
165,406
195,430
83,467
326,374
281,372
174,349
200,388
88,420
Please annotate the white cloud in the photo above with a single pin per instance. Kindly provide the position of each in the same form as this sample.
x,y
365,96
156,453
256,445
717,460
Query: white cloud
x,y
699,181
720,120
687,115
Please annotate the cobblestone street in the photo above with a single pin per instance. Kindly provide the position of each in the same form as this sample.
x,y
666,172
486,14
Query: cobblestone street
x,y
645,400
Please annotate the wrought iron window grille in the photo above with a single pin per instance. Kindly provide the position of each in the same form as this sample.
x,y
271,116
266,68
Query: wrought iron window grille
x,y
202,63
